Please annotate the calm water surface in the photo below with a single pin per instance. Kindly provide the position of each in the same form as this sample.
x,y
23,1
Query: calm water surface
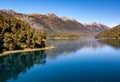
x,y
71,61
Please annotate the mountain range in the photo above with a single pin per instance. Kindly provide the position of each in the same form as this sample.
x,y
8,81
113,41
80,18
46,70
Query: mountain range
x,y
54,24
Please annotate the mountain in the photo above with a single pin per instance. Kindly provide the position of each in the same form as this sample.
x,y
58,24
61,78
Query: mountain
x,y
96,27
113,33
54,24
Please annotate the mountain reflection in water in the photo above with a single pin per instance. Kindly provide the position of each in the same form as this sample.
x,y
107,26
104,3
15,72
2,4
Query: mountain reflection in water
x,y
91,60
66,46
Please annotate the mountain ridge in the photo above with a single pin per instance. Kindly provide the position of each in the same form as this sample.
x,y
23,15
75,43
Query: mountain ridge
x,y
52,23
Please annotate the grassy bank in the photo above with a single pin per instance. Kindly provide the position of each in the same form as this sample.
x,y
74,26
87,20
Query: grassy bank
x,y
62,36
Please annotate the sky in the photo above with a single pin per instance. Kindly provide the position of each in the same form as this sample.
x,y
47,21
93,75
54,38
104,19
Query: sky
x,y
85,11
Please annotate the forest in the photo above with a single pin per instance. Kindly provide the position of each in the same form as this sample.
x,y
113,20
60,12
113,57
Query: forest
x,y
16,35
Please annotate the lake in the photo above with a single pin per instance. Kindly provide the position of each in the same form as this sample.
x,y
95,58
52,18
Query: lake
x,y
85,60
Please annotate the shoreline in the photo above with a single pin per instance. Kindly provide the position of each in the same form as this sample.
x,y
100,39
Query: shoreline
x,y
25,50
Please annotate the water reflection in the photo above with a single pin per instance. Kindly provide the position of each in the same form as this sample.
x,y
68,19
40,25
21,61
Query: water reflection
x,y
65,47
94,60
12,65
111,42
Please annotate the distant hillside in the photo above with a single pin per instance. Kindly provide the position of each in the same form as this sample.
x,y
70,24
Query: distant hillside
x,y
52,23
16,34
113,33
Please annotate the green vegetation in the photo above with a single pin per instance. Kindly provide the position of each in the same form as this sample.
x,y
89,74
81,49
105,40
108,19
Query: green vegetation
x,y
60,36
16,35
113,33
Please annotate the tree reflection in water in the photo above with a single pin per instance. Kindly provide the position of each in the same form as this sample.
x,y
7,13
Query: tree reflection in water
x,y
12,65
115,43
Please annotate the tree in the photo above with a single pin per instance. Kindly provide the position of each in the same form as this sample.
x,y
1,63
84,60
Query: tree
x,y
16,34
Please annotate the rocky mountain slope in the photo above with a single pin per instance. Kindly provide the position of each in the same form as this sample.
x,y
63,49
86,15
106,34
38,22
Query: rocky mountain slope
x,y
96,27
53,23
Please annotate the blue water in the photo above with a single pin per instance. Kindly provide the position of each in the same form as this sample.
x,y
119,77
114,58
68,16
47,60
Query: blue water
x,y
71,61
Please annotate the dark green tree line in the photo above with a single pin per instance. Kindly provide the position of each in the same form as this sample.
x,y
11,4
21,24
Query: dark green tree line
x,y
15,35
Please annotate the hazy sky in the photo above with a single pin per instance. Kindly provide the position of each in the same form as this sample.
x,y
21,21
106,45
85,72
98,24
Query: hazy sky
x,y
85,11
